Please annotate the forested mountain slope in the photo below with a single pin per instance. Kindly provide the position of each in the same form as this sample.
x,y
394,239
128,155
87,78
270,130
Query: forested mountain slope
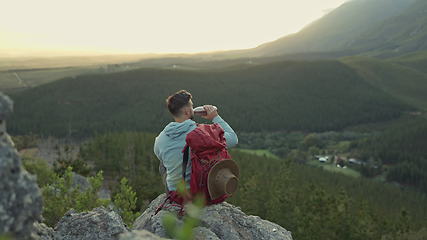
x,y
402,149
312,203
403,82
417,61
312,96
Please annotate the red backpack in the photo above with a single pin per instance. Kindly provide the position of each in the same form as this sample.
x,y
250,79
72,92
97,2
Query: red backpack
x,y
208,147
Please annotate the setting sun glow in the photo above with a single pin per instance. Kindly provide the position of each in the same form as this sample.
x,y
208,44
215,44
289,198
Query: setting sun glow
x,y
156,26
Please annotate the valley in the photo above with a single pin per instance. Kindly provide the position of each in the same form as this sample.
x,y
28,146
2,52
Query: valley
x,y
331,121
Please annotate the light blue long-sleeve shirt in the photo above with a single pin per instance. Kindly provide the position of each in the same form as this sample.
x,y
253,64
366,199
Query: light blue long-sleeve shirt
x,y
169,144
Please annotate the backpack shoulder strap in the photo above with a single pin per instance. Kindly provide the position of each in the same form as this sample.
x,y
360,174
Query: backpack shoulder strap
x,y
185,157
185,161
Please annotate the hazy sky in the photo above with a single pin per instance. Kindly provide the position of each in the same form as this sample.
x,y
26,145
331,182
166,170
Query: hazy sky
x,y
141,26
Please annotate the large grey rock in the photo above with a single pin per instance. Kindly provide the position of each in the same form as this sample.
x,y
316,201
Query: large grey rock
x,y
20,197
6,106
229,222
153,223
202,233
139,235
100,223
42,232
79,181
221,221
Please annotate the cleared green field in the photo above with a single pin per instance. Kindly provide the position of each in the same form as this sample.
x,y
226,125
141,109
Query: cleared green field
x,y
22,79
21,73
326,166
332,168
258,152
7,63
8,80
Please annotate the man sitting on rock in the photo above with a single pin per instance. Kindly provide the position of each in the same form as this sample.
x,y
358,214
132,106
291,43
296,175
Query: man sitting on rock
x,y
170,143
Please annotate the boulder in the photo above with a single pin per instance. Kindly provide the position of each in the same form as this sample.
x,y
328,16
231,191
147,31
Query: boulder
x,y
20,197
79,181
202,233
42,232
100,223
139,235
6,106
220,221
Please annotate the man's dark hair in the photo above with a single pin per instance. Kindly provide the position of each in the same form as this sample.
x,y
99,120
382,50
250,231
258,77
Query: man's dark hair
x,y
178,100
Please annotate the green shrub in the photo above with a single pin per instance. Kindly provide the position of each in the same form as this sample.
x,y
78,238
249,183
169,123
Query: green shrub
x,y
5,237
40,168
60,196
78,165
25,141
88,199
66,159
125,202
130,155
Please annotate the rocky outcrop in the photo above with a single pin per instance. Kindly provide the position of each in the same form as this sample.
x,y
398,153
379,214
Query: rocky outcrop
x,y
79,181
139,235
42,232
202,233
98,224
221,221
20,197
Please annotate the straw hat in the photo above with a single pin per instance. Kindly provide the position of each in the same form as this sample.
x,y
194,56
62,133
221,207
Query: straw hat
x,y
223,178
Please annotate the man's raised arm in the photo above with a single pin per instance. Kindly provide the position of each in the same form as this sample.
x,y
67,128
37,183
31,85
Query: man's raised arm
x,y
229,134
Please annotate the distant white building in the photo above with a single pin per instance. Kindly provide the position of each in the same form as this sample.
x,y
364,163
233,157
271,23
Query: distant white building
x,y
321,158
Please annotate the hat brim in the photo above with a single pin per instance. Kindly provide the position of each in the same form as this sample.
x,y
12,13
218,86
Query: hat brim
x,y
227,163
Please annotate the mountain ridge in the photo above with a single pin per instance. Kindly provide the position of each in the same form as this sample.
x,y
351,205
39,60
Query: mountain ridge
x,y
335,30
